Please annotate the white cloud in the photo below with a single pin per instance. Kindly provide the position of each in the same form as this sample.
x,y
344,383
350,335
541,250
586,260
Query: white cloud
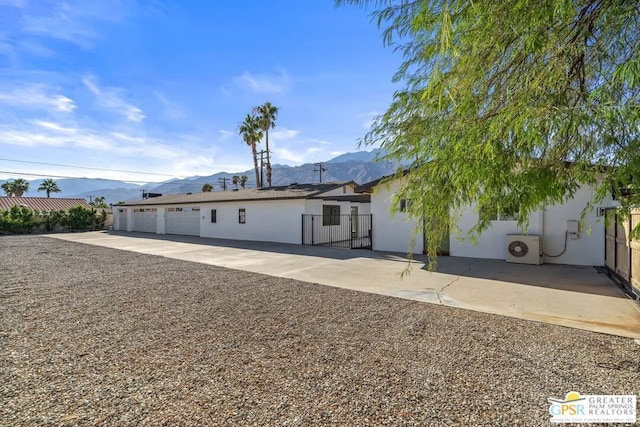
x,y
37,97
262,83
74,21
53,126
112,99
297,156
283,134
226,135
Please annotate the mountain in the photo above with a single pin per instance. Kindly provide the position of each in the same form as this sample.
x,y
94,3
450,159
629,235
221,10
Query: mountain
x,y
358,156
359,167
346,167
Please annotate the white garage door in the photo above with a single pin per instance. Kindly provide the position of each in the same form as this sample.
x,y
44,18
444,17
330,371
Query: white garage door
x,y
144,219
122,219
185,220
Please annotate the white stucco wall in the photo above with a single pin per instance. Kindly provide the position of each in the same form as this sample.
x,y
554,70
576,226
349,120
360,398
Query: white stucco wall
x,y
392,232
267,221
491,243
550,223
341,191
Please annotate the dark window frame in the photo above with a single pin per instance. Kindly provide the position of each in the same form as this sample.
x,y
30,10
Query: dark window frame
x,y
214,216
330,215
242,216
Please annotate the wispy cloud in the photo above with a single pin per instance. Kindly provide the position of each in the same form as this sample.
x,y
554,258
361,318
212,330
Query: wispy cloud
x,y
37,97
112,99
297,156
226,135
263,83
74,21
169,108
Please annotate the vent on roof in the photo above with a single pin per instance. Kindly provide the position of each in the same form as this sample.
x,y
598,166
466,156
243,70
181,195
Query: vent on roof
x,y
235,189
188,194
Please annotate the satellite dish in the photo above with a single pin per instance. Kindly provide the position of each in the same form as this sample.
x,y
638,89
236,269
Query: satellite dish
x,y
518,248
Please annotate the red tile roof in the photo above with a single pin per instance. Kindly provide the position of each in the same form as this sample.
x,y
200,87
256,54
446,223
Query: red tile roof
x,y
42,203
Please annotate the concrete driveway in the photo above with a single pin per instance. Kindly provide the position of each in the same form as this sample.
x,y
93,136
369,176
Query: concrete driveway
x,y
577,297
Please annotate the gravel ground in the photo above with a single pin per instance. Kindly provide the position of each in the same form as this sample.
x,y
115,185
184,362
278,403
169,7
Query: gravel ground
x,y
96,336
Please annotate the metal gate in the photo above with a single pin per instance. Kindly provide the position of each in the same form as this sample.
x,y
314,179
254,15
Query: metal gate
x,y
342,231
622,256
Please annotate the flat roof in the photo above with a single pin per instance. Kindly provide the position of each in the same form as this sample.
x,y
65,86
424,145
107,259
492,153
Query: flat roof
x,y
292,191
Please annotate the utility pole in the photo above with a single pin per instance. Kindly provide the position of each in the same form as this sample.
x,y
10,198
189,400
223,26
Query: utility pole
x,y
90,198
320,169
223,183
262,153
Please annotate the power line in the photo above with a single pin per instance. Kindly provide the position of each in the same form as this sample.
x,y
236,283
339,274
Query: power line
x,y
86,167
68,177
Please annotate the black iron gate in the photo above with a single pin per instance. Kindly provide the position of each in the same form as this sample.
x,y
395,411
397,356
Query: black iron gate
x,y
622,255
342,231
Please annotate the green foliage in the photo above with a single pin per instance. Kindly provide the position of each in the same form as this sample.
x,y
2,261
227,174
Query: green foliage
x,y
20,219
511,103
207,187
17,220
99,203
79,218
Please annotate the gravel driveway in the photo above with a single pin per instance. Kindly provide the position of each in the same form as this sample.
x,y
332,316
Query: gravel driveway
x,y
96,336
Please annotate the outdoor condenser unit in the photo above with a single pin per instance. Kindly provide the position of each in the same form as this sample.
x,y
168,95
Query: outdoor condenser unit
x,y
523,249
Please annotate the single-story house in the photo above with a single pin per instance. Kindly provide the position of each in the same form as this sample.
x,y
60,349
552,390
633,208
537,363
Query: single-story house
x,y
296,213
554,234
43,204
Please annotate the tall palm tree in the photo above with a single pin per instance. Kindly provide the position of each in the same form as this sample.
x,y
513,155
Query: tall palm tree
x,y
207,187
267,115
252,134
50,186
243,180
235,180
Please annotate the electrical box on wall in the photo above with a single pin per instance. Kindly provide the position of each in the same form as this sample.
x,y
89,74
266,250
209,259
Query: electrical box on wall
x,y
573,228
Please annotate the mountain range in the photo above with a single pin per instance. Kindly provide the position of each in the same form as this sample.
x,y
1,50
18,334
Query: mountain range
x,y
360,167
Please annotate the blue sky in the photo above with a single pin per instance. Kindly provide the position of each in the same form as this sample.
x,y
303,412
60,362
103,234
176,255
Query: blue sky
x,y
161,86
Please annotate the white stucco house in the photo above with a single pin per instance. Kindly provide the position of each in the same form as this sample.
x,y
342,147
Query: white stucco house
x,y
554,233
298,213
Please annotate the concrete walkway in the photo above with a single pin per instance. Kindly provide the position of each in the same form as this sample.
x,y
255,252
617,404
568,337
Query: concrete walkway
x,y
577,297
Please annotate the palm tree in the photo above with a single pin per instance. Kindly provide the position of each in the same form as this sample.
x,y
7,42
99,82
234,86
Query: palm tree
x,y
252,134
206,188
267,114
16,188
235,180
20,186
7,187
50,186
243,180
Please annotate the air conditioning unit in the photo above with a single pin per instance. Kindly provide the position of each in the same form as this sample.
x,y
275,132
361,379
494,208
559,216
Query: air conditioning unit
x,y
524,249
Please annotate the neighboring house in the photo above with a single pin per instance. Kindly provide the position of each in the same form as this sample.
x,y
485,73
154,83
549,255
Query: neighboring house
x,y
560,237
43,204
275,214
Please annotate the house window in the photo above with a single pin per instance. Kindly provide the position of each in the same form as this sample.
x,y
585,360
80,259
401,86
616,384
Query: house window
x,y
404,205
214,216
242,216
330,215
